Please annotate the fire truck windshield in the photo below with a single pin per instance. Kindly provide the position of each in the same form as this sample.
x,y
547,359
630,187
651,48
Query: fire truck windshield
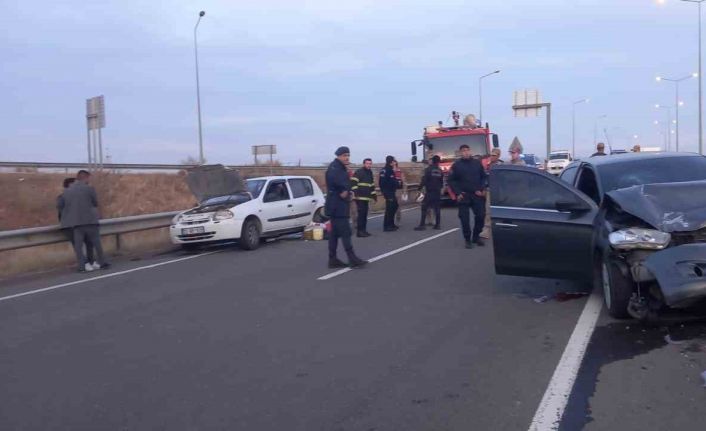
x,y
447,147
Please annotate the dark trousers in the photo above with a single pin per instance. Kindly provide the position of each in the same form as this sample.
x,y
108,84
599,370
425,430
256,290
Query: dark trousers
x,y
434,205
340,228
478,206
69,233
88,234
362,215
391,207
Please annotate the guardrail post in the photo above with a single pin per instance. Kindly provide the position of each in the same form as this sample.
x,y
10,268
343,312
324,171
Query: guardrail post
x,y
117,242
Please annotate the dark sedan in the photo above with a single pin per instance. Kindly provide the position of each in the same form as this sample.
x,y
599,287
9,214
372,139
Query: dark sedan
x,y
633,224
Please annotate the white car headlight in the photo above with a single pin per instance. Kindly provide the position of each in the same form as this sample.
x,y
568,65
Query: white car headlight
x,y
176,219
635,238
222,215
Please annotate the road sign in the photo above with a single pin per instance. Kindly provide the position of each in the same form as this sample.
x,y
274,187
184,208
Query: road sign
x,y
264,150
526,97
95,112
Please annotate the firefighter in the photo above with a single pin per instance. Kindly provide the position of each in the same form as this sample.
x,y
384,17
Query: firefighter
x,y
389,185
338,201
432,182
363,186
468,180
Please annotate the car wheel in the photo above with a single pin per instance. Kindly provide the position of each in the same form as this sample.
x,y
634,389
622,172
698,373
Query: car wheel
x,y
319,216
250,236
617,289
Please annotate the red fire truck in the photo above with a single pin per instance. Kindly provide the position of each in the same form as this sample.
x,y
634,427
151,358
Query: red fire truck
x,y
445,141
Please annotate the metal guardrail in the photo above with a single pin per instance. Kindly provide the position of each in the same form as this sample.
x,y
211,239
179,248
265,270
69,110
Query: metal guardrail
x,y
140,166
22,238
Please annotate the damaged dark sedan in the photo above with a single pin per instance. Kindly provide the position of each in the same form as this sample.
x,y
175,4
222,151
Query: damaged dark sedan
x,y
632,224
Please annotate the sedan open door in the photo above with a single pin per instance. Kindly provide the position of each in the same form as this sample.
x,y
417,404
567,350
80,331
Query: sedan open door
x,y
542,227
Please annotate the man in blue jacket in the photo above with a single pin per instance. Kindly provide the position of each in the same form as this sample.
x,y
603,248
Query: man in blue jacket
x,y
338,208
388,186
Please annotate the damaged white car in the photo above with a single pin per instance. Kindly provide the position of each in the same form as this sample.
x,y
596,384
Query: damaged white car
x,y
246,211
633,224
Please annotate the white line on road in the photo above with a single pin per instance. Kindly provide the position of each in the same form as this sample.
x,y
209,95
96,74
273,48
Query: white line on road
x,y
551,409
388,254
100,277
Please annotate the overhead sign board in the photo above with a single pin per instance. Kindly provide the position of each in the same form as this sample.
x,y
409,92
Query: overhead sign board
x,y
526,97
95,112
264,150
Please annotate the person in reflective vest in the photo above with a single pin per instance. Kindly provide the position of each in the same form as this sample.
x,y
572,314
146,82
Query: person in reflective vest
x,y
363,187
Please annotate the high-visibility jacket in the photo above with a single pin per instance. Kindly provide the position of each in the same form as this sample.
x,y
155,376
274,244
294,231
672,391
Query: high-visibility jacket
x,y
363,185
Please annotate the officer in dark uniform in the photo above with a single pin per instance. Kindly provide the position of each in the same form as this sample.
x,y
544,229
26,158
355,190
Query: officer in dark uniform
x,y
363,186
389,185
338,201
468,180
433,182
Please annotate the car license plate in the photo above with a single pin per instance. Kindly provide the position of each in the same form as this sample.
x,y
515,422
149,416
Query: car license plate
x,y
192,230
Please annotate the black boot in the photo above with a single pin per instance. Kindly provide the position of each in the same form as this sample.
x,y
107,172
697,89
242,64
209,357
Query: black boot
x,y
420,227
334,263
363,234
479,242
355,261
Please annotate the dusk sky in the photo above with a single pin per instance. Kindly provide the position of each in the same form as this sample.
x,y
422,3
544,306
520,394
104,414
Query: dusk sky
x,y
310,76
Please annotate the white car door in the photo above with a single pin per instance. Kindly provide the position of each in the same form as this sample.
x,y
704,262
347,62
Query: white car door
x,y
305,202
277,207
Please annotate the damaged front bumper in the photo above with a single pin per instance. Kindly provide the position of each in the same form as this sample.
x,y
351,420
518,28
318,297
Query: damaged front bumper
x,y
681,274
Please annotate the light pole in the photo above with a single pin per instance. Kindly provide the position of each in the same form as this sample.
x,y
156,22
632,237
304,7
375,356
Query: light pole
x,y
669,120
701,104
480,96
595,128
573,125
198,90
677,102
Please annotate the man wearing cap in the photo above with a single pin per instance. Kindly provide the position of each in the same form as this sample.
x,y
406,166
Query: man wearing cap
x,y
432,183
600,150
338,201
468,182
388,185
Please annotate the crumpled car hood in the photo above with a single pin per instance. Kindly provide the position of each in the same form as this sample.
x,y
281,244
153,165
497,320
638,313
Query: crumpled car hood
x,y
210,181
669,207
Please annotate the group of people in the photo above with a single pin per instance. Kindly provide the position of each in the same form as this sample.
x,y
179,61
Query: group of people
x,y
600,150
467,182
77,209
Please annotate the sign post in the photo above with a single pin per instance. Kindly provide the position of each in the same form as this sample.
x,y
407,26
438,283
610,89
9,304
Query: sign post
x,y
95,121
264,150
528,103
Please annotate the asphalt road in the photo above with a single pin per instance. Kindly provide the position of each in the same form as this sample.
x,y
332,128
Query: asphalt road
x,y
424,339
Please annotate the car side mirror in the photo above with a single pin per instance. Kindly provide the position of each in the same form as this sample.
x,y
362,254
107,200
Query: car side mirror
x,y
496,141
571,207
414,159
414,149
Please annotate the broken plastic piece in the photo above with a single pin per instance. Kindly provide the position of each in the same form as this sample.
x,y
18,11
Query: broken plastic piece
x,y
542,299
668,339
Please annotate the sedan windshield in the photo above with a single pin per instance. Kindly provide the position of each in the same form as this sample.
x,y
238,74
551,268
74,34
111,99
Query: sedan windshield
x,y
562,156
255,187
652,171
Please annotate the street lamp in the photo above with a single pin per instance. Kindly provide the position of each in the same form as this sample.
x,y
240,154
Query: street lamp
x,y
480,96
595,128
677,102
701,104
198,90
669,120
573,125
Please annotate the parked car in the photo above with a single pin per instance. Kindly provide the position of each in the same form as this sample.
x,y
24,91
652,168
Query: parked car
x,y
531,160
260,208
633,224
558,160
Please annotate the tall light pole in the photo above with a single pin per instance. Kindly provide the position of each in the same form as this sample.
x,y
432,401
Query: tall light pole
x,y
677,102
701,104
669,121
480,96
198,90
595,128
573,125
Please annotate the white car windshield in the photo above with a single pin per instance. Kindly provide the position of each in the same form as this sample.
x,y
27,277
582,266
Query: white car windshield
x,y
255,187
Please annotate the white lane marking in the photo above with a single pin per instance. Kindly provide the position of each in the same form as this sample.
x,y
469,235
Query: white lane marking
x,y
551,409
100,277
404,211
388,254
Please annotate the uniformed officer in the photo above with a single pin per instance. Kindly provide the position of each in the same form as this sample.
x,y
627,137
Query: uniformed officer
x,y
432,182
468,180
338,200
363,186
389,185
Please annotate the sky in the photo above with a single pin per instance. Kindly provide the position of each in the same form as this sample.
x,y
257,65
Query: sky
x,y
309,76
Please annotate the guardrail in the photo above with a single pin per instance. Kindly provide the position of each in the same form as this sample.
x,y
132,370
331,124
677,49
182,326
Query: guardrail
x,y
140,166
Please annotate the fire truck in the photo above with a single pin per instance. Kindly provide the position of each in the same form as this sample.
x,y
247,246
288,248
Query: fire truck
x,y
444,141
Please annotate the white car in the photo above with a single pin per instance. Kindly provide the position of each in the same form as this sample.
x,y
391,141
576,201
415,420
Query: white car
x,y
266,207
558,161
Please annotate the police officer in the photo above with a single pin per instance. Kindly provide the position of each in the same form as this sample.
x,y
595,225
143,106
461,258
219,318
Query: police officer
x,y
433,182
363,186
338,201
468,180
389,185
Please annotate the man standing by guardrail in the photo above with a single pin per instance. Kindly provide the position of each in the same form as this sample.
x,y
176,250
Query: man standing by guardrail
x,y
364,190
79,211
